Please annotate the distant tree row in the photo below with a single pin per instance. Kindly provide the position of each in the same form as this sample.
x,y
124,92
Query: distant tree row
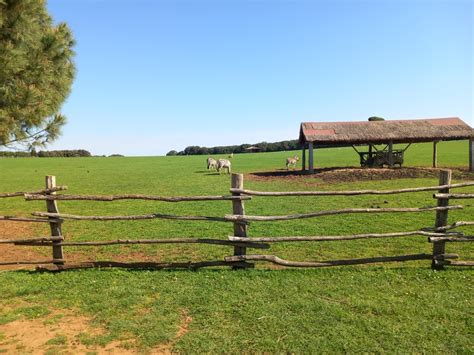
x,y
243,148
47,154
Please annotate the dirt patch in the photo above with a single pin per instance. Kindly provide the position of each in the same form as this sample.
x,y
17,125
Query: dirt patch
x,y
354,174
21,230
59,332
10,252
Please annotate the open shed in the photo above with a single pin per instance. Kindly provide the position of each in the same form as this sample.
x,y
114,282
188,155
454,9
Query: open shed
x,y
253,148
340,134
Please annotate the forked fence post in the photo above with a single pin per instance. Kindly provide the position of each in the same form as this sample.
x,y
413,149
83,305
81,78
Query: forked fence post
x,y
54,224
238,208
439,248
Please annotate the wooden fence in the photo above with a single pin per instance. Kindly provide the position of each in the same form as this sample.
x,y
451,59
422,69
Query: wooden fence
x,y
439,235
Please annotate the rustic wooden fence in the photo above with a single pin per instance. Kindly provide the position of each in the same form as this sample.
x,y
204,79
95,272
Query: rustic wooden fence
x,y
439,235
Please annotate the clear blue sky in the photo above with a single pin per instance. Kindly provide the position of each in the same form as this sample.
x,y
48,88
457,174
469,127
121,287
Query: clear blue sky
x,y
160,75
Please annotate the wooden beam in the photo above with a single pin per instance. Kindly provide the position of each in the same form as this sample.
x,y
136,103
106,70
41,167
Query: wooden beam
x,y
303,168
24,219
55,216
351,193
248,218
471,154
30,240
16,194
454,225
390,154
322,238
456,262
451,239
31,197
311,156
435,154
454,196
379,259
28,262
47,242
405,149
141,265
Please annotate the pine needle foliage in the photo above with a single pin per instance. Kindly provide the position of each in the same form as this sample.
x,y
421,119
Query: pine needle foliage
x,y
36,73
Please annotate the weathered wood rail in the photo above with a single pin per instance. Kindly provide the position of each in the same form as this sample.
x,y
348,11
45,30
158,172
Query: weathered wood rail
x,y
439,235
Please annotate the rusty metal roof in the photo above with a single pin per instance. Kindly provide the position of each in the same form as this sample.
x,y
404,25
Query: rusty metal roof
x,y
398,131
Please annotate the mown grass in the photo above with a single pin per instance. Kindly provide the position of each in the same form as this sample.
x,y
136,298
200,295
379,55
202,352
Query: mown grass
x,y
381,308
332,310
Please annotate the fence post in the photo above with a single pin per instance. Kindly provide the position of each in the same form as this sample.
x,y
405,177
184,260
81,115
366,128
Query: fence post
x,y
441,218
54,224
240,229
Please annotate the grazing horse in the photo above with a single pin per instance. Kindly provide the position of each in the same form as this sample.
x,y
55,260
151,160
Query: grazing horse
x,y
292,162
223,164
211,164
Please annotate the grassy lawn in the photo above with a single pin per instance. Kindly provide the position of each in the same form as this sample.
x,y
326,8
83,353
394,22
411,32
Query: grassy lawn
x,y
380,308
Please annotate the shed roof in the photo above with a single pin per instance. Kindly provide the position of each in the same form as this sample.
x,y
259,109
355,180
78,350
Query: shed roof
x,y
253,147
398,131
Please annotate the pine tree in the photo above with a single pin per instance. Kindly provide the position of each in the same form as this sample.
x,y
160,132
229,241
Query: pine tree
x,y
36,73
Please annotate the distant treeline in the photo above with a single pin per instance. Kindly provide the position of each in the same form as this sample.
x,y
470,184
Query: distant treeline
x,y
47,154
243,148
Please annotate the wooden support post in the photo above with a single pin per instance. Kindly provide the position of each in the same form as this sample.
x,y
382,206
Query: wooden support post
x,y
240,229
303,158
435,154
390,154
311,161
471,154
441,219
55,226
370,151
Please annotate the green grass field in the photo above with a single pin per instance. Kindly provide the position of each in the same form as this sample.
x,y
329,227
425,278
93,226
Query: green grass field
x,y
394,307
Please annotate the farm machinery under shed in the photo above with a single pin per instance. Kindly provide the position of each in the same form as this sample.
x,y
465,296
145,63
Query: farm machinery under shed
x,y
378,158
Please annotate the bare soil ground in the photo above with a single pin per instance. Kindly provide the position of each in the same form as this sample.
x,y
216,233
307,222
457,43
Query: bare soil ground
x,y
354,174
59,332
19,230
10,252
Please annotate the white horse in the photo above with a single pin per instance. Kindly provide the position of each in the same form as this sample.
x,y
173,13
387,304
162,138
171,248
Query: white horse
x,y
292,162
223,164
211,164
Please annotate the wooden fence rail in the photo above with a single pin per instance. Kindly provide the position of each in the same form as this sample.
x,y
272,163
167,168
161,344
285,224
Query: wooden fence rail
x,y
31,197
44,191
60,242
246,218
379,259
344,237
453,226
131,217
242,218
453,196
350,193
24,219
438,235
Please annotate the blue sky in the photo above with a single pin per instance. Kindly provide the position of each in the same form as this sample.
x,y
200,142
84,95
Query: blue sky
x,y
160,75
